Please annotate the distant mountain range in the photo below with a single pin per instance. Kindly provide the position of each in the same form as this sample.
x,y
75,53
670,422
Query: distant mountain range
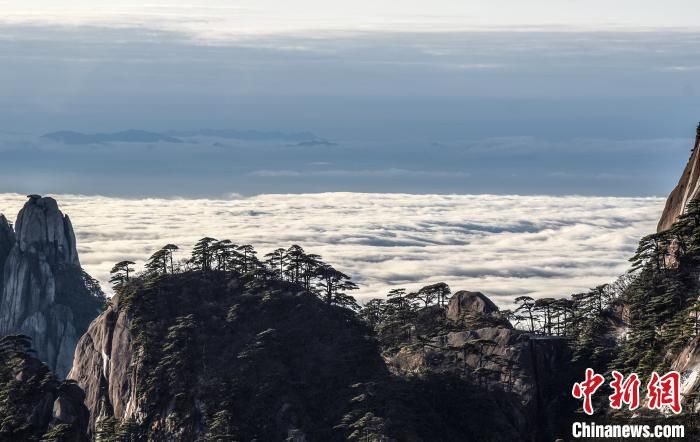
x,y
250,135
142,136
127,136
315,143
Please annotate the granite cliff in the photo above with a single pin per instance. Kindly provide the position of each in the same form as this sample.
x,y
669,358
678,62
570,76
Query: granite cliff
x,y
687,359
44,293
687,189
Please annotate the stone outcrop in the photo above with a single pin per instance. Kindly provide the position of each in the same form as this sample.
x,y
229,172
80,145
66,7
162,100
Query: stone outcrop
x,y
511,358
687,189
103,358
473,302
496,356
43,294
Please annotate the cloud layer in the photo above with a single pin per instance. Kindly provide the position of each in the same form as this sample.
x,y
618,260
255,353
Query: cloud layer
x,y
505,246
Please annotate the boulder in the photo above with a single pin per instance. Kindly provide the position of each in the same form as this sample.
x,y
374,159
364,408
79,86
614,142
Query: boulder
x,y
469,302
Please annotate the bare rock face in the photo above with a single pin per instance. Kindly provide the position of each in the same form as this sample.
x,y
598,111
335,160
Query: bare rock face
x,y
687,189
7,242
469,302
687,363
102,367
43,294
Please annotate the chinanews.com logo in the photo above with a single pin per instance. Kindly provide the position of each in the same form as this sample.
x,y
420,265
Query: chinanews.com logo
x,y
662,394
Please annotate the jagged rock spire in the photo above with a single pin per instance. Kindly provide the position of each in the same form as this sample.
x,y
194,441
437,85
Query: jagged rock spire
x,y
42,228
42,290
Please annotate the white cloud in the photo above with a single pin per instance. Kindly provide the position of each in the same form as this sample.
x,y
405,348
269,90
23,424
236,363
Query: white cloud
x,y
217,18
502,245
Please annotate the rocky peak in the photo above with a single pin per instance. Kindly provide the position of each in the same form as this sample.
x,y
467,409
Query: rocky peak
x,y
687,189
42,228
469,302
42,290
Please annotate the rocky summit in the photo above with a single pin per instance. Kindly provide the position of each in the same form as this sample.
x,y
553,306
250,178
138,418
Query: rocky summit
x,y
44,294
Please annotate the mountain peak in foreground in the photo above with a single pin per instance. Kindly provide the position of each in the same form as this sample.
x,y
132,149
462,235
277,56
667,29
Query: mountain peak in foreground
x,y
213,355
44,293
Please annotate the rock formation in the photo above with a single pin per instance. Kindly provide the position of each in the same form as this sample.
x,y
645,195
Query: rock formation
x,y
496,355
43,293
34,405
264,360
102,366
687,189
7,242
474,302
129,369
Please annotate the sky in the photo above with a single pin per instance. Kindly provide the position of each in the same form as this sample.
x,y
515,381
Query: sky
x,y
499,97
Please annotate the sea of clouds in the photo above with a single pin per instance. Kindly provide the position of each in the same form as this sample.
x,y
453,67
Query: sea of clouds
x,y
504,246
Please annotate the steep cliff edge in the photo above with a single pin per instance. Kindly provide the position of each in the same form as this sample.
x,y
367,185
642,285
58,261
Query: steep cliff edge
x,y
687,189
221,356
180,353
44,292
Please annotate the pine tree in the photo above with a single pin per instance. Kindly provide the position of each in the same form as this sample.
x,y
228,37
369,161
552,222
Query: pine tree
x,y
202,254
248,254
374,312
276,261
332,287
170,249
527,305
120,273
157,264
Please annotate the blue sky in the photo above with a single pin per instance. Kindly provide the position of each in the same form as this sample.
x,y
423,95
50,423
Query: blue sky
x,y
539,97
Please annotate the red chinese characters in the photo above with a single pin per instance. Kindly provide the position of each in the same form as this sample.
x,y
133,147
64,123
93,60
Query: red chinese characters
x,y
626,391
585,390
664,391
